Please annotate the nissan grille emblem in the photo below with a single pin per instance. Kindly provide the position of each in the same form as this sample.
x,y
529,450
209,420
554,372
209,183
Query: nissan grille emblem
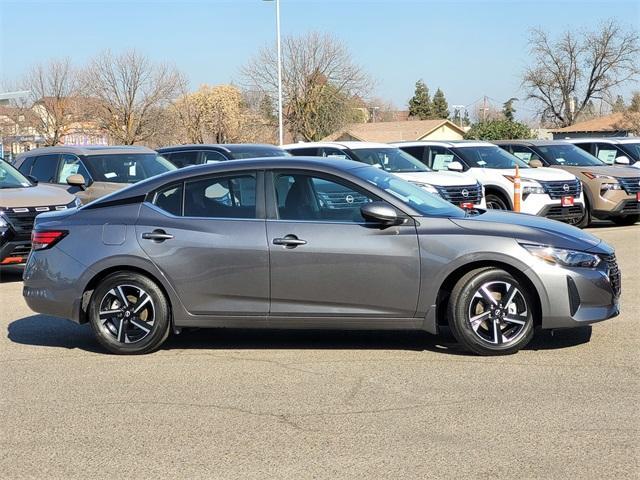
x,y
349,198
566,187
465,192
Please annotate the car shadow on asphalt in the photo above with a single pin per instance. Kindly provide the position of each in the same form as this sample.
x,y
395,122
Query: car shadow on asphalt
x,y
11,273
45,331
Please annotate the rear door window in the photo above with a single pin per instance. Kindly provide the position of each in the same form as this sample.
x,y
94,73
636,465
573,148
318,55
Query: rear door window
x,y
170,200
221,197
25,166
524,153
45,168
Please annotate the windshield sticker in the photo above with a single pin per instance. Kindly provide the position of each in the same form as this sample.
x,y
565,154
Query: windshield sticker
x,y
560,160
482,163
110,175
525,156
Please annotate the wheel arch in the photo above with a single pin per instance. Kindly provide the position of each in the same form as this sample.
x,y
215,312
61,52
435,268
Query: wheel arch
x,y
443,295
100,274
490,189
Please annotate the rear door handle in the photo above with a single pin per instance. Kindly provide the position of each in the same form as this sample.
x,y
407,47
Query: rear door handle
x,y
290,241
157,236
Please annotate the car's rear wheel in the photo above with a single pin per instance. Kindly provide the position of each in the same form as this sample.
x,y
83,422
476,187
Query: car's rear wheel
x,y
496,202
627,220
490,312
129,314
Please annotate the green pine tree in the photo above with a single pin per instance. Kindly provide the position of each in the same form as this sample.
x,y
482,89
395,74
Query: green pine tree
x,y
420,104
508,110
439,106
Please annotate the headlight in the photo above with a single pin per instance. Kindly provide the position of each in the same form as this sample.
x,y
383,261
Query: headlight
x,y
429,188
562,257
531,186
591,176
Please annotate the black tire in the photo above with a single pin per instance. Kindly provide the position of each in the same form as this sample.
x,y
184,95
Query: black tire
x,y
626,221
484,339
496,202
585,221
148,322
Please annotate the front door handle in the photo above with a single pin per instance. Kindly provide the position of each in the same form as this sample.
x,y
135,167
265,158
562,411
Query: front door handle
x,y
157,236
289,241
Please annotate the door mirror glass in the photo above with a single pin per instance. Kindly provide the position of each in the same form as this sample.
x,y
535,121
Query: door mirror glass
x,y
379,212
535,163
76,180
623,160
455,166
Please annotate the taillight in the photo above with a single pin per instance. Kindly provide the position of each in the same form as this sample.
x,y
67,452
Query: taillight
x,y
43,239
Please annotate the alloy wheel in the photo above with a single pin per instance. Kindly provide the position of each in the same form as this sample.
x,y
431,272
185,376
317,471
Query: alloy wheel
x,y
127,313
498,313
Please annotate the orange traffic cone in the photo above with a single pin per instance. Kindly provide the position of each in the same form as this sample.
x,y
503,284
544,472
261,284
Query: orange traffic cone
x,y
517,191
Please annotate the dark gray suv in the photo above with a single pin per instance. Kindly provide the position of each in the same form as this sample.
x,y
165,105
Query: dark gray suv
x,y
311,243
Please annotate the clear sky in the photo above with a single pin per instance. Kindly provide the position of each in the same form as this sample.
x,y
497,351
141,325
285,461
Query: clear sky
x,y
468,48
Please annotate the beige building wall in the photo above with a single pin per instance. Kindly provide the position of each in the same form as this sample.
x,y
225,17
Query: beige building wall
x,y
443,133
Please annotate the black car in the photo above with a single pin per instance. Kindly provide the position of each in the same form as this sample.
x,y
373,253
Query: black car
x,y
185,155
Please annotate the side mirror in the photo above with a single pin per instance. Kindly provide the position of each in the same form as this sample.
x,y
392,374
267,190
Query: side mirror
x,y
455,166
76,180
622,160
535,164
33,179
379,212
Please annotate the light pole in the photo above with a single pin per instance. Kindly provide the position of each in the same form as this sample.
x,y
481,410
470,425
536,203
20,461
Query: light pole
x,y
280,122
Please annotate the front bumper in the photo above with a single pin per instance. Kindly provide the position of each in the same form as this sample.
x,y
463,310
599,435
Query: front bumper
x,y
543,205
578,296
13,249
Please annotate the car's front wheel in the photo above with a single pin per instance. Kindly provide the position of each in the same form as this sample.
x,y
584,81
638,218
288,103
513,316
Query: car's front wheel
x,y
496,202
129,314
490,312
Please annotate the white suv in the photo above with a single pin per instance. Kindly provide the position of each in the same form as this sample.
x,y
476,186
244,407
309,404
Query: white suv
x,y
458,188
611,150
546,192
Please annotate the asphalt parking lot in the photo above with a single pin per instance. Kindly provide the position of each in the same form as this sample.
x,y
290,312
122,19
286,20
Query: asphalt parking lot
x,y
242,404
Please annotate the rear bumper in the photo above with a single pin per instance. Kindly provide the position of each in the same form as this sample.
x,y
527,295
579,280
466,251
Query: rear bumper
x,y
51,284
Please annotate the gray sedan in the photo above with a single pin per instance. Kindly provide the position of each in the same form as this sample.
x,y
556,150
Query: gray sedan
x,y
306,243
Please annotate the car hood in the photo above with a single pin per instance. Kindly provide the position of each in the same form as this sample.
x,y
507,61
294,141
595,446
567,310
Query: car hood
x,y
614,171
443,178
532,229
543,173
36,196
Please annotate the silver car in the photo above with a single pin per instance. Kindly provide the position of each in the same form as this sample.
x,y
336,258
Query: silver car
x,y
306,243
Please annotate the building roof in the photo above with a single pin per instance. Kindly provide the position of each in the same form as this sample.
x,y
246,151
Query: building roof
x,y
393,131
608,123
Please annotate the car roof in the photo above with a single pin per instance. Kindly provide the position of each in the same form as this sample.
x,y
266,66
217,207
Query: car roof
x,y
531,142
88,150
228,147
351,145
327,165
443,143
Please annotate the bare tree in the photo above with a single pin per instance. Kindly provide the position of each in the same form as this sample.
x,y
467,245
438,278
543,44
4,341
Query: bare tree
x,y
575,69
631,117
51,103
132,93
320,80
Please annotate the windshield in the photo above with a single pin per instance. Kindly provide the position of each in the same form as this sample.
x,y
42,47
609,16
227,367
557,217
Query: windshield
x,y
489,157
417,198
568,155
127,168
258,152
12,178
633,150
389,159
